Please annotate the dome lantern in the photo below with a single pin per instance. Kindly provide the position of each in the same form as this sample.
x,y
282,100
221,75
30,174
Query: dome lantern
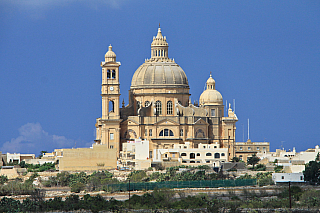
x,y
110,55
159,46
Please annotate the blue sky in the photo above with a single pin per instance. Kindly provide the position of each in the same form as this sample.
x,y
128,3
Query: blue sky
x,y
263,54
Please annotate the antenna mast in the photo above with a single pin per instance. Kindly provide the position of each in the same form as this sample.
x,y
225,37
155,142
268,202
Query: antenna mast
x,y
234,105
248,130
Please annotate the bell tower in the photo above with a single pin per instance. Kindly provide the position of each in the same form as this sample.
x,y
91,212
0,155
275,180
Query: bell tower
x,y
108,126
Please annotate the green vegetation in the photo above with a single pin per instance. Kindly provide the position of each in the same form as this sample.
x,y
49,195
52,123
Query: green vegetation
x,y
263,179
312,172
253,160
81,181
278,169
164,199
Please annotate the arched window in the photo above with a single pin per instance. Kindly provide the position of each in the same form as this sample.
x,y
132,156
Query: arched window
x,y
208,154
192,156
146,103
111,106
216,155
108,74
200,133
166,132
183,154
113,74
169,108
138,105
158,108
198,154
222,154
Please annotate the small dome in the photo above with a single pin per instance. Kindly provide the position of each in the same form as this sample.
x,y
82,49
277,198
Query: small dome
x,y
210,96
110,55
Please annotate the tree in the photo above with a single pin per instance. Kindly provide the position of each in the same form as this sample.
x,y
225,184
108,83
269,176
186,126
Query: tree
x,y
41,153
235,159
253,160
312,172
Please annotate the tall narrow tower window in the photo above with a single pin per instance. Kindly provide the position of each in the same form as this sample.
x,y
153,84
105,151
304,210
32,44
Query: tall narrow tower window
x,y
111,106
138,105
108,74
169,108
158,108
113,74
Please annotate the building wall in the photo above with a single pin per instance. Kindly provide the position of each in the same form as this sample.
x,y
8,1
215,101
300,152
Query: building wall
x,y
98,157
243,150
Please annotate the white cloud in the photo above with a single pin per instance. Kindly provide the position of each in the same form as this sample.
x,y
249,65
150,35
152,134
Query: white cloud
x,y
43,4
33,139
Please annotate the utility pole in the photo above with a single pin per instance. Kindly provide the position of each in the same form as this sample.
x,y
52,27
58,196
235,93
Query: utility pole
x,y
289,196
129,193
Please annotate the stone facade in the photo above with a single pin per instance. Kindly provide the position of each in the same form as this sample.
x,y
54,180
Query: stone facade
x,y
159,109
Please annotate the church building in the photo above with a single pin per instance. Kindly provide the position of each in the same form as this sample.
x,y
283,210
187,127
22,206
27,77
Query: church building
x,y
160,109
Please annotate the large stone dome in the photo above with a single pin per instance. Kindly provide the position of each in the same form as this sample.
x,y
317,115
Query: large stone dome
x,y
159,71
211,96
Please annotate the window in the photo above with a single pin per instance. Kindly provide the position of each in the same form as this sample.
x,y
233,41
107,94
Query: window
x,y
113,74
183,154
146,103
192,161
264,148
150,132
258,148
215,147
166,132
158,108
145,132
240,148
192,156
184,161
111,147
108,74
249,148
301,177
208,154
216,155
207,161
150,154
138,106
181,132
111,106
213,112
111,136
169,108
282,177
222,154
165,155
204,147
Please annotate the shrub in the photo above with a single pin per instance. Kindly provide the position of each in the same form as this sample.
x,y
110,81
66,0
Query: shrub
x,y
78,187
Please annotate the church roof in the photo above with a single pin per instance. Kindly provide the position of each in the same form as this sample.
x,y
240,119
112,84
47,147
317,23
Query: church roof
x,y
159,71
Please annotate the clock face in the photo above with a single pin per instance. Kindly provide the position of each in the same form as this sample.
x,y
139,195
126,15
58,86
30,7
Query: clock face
x,y
111,88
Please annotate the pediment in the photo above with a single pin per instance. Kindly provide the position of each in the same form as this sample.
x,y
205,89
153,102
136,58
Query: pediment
x,y
200,121
165,122
130,122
